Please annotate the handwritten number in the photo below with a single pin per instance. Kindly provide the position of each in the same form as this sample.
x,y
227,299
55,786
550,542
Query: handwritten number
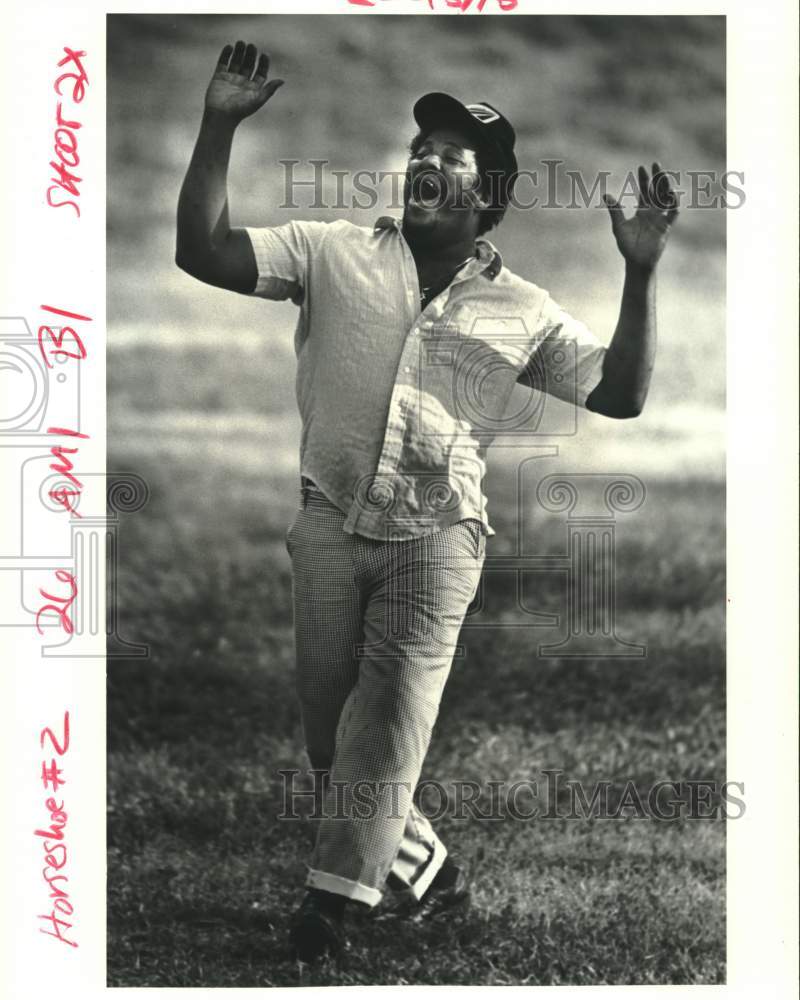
x,y
61,608
60,748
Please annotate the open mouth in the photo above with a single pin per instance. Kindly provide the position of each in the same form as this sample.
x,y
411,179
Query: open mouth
x,y
428,191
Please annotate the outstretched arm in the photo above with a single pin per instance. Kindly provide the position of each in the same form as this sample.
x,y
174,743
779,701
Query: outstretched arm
x,y
629,359
207,247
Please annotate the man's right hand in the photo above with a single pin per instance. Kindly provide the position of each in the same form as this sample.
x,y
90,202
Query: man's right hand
x,y
206,246
239,86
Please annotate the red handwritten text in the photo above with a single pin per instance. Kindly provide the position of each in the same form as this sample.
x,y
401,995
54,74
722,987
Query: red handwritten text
x,y
51,345
65,137
462,5
53,841
63,466
60,605
56,336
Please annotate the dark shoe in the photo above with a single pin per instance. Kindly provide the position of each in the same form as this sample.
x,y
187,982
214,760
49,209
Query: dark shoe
x,y
316,930
449,888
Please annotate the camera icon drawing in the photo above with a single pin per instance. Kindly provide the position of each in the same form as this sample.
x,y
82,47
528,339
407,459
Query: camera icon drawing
x,y
31,393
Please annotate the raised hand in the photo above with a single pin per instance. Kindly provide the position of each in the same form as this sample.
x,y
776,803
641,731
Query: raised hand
x,y
641,239
239,85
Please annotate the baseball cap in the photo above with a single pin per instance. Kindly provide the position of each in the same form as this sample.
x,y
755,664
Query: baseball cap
x,y
485,123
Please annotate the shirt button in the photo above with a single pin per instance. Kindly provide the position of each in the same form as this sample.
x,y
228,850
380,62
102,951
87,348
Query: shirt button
x,y
407,370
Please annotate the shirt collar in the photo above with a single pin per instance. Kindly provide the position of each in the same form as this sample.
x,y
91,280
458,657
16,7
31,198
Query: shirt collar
x,y
487,253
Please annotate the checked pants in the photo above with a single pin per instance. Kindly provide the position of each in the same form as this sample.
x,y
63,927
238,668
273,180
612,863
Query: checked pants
x,y
376,625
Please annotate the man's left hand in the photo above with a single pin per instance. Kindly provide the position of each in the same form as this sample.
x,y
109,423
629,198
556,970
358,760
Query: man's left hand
x,y
641,239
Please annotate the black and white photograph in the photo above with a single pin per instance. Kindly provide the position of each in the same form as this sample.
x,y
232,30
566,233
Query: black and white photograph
x,y
398,561
416,340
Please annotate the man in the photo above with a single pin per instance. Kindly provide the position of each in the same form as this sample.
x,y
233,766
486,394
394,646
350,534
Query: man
x,y
403,330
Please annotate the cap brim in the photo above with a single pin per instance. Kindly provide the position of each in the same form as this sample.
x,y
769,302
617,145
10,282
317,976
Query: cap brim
x,y
442,109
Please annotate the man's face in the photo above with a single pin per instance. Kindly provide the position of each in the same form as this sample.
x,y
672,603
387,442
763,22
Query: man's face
x,y
441,187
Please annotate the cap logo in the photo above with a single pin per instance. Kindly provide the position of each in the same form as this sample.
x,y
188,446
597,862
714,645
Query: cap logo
x,y
484,114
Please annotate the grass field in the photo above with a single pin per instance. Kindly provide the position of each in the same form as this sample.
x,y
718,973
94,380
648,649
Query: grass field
x,y
202,877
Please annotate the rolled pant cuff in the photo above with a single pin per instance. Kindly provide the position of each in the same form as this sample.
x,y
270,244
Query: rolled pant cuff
x,y
418,889
343,887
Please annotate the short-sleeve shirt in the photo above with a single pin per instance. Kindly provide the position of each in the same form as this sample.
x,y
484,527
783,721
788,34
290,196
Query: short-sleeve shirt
x,y
399,404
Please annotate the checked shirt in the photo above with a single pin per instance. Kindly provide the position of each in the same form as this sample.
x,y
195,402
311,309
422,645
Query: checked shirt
x,y
399,404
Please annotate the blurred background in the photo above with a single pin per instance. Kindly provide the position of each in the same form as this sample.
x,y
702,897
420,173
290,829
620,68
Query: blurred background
x,y
201,404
